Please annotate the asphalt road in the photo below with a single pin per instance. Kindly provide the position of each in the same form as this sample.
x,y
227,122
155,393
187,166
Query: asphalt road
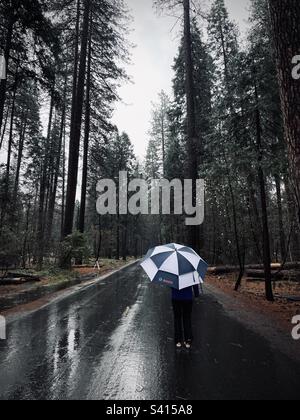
x,y
115,341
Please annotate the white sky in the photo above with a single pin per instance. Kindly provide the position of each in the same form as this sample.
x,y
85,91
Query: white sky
x,y
151,68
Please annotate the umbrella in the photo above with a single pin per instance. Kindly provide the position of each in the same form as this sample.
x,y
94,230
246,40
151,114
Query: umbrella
x,y
174,265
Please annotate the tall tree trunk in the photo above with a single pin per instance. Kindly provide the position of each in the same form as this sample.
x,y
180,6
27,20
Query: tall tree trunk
x,y
3,83
224,57
73,108
57,152
291,208
53,192
118,237
10,140
283,249
163,145
264,208
256,226
192,140
20,152
4,126
99,239
86,141
25,253
124,238
76,128
239,253
63,194
42,193
75,65
52,154
285,17
8,161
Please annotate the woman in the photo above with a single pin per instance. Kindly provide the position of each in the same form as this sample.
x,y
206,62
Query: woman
x,y
183,305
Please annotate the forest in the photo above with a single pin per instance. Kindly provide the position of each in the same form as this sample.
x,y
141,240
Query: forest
x,y
232,120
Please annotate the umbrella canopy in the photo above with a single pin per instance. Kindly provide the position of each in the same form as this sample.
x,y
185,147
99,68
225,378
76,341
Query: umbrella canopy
x,y
174,265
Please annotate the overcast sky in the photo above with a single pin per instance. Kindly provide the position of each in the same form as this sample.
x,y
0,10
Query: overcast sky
x,y
151,69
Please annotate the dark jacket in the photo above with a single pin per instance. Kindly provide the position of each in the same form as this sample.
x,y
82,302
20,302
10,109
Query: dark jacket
x,y
186,294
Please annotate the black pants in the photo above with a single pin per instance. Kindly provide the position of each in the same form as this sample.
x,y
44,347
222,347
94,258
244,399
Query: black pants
x,y
183,320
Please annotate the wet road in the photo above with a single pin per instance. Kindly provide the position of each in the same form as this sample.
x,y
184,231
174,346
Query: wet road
x,y
114,341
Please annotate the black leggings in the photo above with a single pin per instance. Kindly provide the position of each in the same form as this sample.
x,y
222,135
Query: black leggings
x,y
183,320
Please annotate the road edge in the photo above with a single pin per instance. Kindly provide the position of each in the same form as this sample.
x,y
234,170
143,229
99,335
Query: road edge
x,y
265,327
22,311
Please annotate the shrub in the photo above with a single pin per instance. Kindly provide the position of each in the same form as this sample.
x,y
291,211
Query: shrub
x,y
73,247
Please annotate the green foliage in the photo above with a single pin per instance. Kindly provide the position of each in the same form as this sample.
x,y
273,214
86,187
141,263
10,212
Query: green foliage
x,y
203,88
73,247
10,250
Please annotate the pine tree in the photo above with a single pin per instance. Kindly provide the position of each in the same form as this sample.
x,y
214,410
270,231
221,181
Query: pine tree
x,y
20,20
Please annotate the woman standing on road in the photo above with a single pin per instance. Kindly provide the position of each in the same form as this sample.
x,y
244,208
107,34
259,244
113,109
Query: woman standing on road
x,y
183,306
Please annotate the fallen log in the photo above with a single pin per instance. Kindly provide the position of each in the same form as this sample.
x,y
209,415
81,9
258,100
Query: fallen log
x,y
257,275
226,269
12,281
27,277
275,267
292,265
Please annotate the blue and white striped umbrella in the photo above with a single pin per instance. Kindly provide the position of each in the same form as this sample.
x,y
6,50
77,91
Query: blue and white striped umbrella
x,y
174,265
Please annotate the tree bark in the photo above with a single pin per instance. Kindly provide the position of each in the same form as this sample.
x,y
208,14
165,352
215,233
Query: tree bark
x,y
25,253
283,249
10,140
75,65
285,18
256,227
264,207
20,152
192,170
99,247
124,238
76,128
4,126
291,208
3,83
86,142
42,193
63,194
57,164
240,254
118,237
8,161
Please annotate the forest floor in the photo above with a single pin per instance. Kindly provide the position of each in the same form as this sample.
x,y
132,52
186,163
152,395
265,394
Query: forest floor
x,y
55,277
252,297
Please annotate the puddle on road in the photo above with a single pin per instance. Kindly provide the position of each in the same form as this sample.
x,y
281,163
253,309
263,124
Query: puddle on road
x,y
118,374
